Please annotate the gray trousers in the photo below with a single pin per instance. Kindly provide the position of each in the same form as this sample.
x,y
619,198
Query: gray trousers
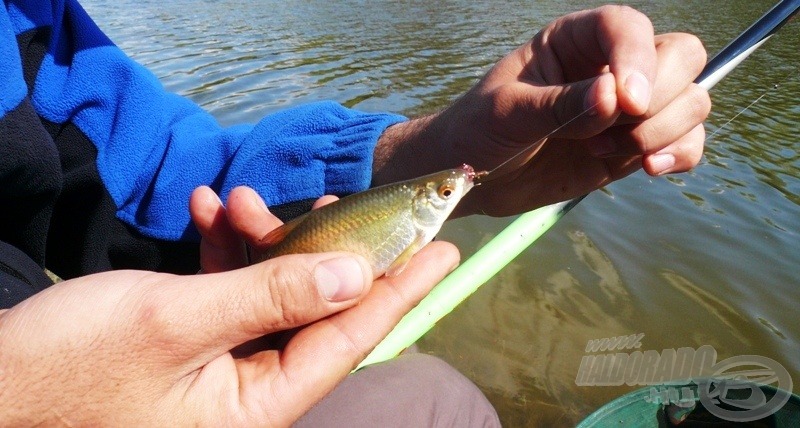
x,y
412,390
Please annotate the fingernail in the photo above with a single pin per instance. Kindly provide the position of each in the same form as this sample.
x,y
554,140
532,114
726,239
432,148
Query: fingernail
x,y
639,88
590,102
602,145
662,163
339,279
594,97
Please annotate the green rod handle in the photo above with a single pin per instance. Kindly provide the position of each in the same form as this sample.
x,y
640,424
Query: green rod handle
x,y
467,278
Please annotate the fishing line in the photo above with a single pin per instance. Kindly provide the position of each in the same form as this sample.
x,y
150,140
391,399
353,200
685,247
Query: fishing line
x,y
767,92
739,113
534,147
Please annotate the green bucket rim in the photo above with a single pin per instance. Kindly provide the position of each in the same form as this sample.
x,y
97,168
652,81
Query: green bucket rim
x,y
609,414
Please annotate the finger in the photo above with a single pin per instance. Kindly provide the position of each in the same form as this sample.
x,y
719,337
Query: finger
x,y
681,58
685,112
249,215
627,37
324,200
680,156
575,110
220,247
321,355
617,37
214,313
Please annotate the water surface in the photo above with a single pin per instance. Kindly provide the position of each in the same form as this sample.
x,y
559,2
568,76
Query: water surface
x,y
704,258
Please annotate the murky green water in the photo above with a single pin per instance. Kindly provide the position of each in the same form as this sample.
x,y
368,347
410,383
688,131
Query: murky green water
x,y
705,258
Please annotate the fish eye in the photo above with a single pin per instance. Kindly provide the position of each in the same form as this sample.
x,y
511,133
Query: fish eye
x,y
446,190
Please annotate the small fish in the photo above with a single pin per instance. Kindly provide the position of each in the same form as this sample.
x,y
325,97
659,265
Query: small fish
x,y
387,224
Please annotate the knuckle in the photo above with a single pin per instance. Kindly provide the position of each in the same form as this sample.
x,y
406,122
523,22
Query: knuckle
x,y
398,296
285,296
685,50
500,104
689,48
695,157
348,342
700,102
696,150
154,318
645,136
688,150
628,14
693,51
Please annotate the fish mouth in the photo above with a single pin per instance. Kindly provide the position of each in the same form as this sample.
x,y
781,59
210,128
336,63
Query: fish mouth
x,y
472,176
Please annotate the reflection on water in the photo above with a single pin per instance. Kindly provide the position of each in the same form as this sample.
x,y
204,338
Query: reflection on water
x,y
711,304
524,373
704,258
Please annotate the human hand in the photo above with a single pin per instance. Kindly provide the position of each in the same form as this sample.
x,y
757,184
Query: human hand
x,y
144,348
645,112
228,234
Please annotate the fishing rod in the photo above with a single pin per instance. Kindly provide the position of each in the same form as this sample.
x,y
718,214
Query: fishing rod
x,y
528,227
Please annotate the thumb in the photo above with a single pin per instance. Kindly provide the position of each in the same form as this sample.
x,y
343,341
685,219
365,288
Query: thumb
x,y
575,111
585,108
224,310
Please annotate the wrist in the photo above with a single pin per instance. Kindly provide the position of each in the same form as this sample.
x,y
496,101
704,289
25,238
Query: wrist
x,y
410,149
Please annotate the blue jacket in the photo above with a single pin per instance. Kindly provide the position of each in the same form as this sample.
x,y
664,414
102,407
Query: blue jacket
x,y
98,159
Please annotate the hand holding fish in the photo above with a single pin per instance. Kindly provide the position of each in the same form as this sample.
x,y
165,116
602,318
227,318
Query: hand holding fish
x,y
146,348
614,96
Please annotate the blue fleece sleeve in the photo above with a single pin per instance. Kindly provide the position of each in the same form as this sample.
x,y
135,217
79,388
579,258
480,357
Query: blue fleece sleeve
x,y
154,147
12,85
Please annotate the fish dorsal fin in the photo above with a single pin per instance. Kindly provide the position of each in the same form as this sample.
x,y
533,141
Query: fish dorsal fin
x,y
280,233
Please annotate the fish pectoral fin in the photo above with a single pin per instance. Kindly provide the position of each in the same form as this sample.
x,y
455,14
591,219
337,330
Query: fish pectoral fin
x,y
402,260
278,234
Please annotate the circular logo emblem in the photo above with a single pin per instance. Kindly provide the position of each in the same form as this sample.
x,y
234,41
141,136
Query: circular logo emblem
x,y
736,396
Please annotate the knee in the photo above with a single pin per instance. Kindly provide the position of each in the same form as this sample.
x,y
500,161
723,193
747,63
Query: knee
x,y
437,393
410,390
